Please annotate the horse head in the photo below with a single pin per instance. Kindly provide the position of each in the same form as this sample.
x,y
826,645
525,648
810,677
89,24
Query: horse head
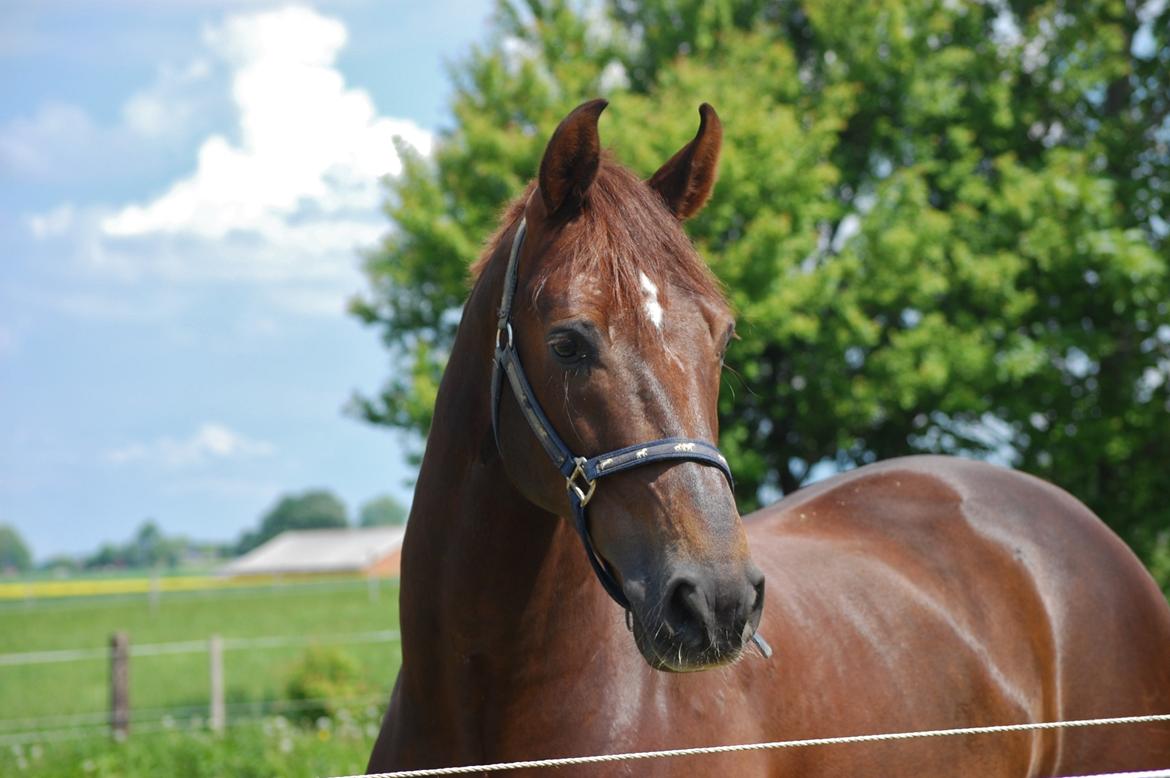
x,y
621,329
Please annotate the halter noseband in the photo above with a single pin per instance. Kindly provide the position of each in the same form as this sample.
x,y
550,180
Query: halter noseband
x,y
581,473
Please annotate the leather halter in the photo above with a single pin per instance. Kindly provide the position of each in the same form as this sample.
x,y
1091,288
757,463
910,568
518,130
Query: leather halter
x,y
581,473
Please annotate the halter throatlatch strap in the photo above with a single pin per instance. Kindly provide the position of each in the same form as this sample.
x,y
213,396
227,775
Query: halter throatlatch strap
x,y
581,473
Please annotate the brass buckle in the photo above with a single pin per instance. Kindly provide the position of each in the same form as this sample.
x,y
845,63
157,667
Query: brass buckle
x,y
584,495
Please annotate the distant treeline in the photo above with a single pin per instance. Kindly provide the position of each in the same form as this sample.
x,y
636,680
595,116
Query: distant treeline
x,y
151,548
319,509
148,548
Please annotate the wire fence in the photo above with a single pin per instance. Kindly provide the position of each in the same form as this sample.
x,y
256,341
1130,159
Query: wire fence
x,y
198,647
177,718
28,727
157,719
782,744
21,731
27,730
1142,774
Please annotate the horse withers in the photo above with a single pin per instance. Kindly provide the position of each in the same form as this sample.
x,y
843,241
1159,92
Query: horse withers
x,y
571,494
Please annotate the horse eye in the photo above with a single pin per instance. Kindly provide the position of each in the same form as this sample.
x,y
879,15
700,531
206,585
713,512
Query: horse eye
x,y
566,348
573,345
727,338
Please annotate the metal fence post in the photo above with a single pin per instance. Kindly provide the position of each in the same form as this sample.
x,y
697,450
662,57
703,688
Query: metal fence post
x,y
120,685
217,717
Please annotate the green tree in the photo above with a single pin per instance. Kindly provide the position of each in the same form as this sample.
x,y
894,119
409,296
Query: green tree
x,y
149,547
61,564
382,511
943,225
14,554
314,509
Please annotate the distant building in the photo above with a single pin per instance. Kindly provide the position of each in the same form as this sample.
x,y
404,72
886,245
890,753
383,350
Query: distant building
x,y
371,551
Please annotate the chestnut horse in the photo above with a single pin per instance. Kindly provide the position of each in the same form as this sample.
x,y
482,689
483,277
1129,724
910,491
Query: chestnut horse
x,y
917,593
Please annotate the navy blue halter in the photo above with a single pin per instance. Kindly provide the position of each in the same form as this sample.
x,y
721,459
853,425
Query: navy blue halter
x,y
581,473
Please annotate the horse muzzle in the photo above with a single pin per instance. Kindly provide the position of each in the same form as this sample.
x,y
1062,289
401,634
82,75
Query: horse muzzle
x,y
698,619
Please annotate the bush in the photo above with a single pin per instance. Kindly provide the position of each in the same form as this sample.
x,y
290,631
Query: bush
x,y
322,682
266,748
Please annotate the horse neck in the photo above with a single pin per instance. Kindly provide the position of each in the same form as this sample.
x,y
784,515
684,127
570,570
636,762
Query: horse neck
x,y
485,571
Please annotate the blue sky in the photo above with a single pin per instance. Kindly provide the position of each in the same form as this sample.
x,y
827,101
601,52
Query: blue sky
x,y
184,189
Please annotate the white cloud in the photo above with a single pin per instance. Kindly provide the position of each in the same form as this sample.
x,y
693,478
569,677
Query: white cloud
x,y
285,189
301,183
51,223
212,441
171,104
61,143
33,147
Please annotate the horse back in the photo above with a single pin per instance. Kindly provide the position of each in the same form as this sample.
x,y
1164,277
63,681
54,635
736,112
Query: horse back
x,y
982,596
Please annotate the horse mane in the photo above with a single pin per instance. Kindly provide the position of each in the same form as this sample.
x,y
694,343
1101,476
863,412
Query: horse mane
x,y
624,229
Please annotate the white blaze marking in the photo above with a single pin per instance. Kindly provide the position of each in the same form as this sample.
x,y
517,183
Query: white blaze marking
x,y
652,307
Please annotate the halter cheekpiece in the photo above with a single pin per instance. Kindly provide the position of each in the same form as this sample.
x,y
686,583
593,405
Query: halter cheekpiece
x,y
581,473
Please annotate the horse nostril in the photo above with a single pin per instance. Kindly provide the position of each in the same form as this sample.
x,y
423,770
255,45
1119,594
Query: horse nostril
x,y
713,612
686,609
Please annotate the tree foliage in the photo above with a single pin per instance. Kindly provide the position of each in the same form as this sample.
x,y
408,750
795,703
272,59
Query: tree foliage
x,y
14,554
148,548
314,509
382,512
943,224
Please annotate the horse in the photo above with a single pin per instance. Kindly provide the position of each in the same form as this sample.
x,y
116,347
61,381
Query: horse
x,y
917,593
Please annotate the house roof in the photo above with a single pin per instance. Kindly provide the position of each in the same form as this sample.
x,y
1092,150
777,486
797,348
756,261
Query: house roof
x,y
319,551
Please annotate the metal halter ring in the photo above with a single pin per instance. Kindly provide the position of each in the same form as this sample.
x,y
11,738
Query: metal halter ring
x,y
586,494
500,331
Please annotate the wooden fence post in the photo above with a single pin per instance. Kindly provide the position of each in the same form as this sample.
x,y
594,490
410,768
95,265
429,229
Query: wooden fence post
x,y
152,598
120,685
217,717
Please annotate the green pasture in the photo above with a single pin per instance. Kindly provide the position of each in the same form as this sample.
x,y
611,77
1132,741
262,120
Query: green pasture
x,y
54,695
271,748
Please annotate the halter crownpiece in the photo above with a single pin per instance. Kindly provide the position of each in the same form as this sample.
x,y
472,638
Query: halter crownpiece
x,y
581,473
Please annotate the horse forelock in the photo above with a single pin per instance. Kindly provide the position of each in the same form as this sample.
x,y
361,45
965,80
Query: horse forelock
x,y
623,236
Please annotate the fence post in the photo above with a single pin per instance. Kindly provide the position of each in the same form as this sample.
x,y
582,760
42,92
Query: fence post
x,y
218,713
154,592
120,685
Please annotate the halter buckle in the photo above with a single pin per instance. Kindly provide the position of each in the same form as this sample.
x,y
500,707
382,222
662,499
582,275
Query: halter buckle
x,y
585,493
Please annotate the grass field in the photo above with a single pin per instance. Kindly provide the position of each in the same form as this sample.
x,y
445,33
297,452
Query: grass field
x,y
271,748
52,695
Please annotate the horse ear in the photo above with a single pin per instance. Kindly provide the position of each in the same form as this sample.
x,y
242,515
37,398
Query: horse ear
x,y
686,180
571,160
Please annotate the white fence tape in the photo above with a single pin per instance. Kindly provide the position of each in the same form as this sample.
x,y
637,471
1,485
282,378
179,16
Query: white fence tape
x,y
773,745
198,646
151,720
1144,774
